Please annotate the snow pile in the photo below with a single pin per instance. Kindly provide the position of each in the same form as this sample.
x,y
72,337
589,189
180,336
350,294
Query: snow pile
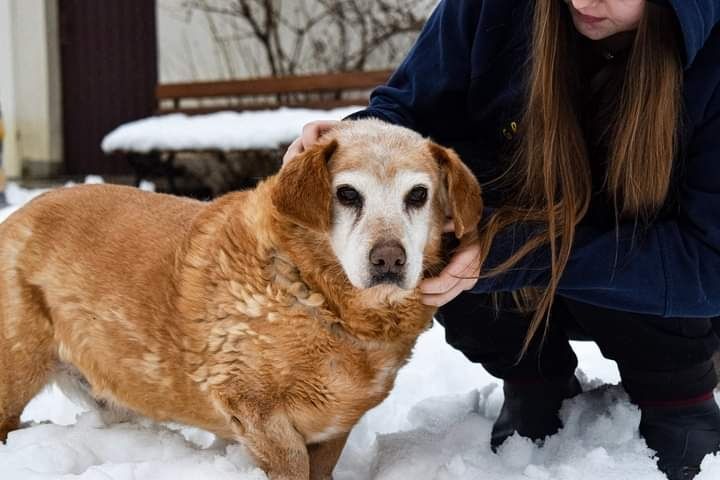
x,y
89,451
217,131
450,441
434,426
16,195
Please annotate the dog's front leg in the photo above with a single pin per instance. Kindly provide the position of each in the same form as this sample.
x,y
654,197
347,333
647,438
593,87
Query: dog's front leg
x,y
276,445
324,457
7,425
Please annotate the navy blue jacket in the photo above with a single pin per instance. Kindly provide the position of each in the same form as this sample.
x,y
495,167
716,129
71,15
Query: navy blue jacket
x,y
462,85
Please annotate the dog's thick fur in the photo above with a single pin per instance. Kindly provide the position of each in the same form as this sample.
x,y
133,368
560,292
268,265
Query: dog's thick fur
x,y
233,316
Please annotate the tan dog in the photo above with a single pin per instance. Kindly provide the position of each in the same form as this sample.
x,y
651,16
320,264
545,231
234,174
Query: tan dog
x,y
276,317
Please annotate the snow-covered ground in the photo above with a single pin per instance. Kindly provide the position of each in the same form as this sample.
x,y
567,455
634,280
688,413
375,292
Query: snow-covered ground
x,y
217,131
434,426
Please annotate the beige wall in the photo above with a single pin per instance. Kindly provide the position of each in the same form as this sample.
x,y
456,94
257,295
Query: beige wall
x,y
187,51
185,48
7,89
30,95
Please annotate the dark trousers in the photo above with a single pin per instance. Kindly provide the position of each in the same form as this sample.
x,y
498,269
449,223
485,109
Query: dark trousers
x,y
660,359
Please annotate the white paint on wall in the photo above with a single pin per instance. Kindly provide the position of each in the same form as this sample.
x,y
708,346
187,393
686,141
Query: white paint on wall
x,y
11,160
30,82
185,47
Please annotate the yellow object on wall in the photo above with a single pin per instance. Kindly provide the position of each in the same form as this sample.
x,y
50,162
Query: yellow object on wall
x,y
2,135
2,172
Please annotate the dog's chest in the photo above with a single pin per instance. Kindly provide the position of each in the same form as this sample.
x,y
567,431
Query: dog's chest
x,y
276,344
344,388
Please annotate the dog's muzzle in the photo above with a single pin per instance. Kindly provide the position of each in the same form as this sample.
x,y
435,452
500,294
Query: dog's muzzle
x,y
387,263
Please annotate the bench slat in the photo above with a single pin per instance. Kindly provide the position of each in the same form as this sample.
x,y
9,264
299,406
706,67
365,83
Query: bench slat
x,y
277,85
318,105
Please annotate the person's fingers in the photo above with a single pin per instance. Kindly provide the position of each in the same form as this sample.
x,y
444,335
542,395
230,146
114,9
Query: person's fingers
x,y
443,283
438,300
295,149
462,265
314,130
311,133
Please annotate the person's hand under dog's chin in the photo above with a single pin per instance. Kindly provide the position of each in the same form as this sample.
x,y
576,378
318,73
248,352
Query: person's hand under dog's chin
x,y
459,275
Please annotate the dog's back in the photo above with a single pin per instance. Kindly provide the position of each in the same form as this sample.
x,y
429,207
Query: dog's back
x,y
109,241
94,219
77,253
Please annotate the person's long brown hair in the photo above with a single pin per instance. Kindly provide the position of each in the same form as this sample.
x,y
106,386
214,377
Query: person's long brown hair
x,y
551,173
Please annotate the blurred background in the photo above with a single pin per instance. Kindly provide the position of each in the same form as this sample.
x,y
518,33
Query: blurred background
x,y
73,71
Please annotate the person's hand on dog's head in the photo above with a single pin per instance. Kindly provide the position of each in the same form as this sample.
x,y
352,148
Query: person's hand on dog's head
x,y
310,135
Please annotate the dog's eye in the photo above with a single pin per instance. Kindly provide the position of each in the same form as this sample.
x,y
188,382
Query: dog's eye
x,y
416,197
349,197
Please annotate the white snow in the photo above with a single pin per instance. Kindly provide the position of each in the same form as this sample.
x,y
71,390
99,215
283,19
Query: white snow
x,y
224,131
434,426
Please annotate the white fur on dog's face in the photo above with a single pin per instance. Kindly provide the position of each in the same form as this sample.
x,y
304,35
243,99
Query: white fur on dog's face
x,y
383,214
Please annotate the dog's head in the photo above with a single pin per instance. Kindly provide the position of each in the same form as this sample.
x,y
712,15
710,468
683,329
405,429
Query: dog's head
x,y
381,194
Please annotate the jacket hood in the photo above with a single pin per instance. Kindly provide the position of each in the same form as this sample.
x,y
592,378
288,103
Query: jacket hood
x,y
697,20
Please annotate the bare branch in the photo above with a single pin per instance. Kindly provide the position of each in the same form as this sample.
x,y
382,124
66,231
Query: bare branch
x,y
288,37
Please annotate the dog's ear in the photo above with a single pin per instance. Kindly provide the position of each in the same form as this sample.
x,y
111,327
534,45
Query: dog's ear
x,y
303,191
463,189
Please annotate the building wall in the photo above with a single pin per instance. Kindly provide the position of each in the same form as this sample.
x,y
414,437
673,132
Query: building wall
x,y
7,89
185,47
196,46
30,85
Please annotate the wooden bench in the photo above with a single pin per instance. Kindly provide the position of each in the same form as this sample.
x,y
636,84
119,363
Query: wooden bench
x,y
321,92
317,92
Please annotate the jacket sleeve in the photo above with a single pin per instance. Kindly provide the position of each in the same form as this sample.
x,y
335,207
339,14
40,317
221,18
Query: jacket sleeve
x,y
428,91
672,270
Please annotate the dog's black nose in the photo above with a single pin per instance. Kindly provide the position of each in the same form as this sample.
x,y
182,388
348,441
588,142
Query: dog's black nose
x,y
387,258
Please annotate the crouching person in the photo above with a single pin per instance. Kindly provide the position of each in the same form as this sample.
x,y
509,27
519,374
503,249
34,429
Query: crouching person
x,y
594,126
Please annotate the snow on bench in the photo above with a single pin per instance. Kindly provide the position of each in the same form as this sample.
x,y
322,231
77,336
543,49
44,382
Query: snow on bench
x,y
222,131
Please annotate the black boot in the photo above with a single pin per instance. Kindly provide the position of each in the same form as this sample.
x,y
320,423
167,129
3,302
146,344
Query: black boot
x,y
681,435
531,409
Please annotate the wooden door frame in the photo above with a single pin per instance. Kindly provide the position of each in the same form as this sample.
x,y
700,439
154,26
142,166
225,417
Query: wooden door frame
x,y
109,69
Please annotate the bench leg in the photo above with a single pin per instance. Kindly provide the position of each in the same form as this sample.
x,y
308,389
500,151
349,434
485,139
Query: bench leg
x,y
170,173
